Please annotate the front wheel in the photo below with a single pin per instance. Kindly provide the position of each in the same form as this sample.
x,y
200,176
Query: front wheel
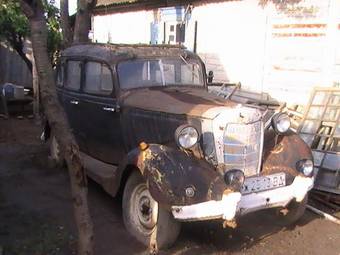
x,y
144,219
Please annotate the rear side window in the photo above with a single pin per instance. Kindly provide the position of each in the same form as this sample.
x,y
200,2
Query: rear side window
x,y
73,75
98,78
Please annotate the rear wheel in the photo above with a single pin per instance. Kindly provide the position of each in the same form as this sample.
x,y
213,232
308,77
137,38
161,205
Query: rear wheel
x,y
292,213
144,219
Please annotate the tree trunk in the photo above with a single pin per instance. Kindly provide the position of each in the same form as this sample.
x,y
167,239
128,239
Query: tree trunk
x,y
58,122
83,20
65,23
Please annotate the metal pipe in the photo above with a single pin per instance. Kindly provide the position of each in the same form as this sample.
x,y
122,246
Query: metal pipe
x,y
323,214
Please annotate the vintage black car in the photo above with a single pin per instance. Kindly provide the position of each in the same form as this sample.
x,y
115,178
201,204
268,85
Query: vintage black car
x,y
147,126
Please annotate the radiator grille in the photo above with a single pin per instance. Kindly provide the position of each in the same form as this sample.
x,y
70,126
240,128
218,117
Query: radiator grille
x,y
243,147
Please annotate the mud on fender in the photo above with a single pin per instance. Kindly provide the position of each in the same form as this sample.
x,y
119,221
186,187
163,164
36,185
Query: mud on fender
x,y
175,177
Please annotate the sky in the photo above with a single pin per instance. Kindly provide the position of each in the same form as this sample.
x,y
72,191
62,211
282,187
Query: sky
x,y
72,6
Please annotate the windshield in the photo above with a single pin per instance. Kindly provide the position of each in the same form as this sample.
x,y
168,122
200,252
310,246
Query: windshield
x,y
159,72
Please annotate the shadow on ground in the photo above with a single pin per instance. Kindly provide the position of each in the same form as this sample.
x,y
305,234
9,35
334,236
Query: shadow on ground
x,y
36,214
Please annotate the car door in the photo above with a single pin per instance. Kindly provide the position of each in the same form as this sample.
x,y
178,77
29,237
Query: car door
x,y
71,99
103,129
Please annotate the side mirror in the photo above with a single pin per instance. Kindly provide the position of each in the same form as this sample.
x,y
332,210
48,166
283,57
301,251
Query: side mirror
x,y
210,76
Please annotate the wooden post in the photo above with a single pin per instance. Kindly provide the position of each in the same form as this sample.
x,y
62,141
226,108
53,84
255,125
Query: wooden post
x,y
164,33
36,91
195,38
35,80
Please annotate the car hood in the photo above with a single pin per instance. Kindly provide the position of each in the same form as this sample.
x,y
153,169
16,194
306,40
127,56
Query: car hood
x,y
177,100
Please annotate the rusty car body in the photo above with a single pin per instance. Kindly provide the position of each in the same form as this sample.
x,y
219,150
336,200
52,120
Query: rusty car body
x,y
146,109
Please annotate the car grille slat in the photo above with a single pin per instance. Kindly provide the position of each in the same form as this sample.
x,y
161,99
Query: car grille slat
x,y
243,147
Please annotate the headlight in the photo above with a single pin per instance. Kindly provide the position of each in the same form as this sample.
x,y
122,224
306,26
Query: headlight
x,y
234,178
186,136
281,123
306,167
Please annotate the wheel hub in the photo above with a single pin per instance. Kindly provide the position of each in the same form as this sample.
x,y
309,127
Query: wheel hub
x,y
146,207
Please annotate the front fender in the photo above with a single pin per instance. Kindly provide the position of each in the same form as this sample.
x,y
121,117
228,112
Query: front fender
x,y
281,153
170,171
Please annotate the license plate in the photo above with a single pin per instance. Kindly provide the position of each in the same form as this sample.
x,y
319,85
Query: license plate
x,y
260,183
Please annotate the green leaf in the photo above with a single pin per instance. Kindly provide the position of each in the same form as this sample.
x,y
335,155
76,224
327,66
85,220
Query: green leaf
x,y
14,26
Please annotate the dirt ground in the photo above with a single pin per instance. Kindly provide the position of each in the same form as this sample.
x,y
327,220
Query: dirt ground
x,y
36,215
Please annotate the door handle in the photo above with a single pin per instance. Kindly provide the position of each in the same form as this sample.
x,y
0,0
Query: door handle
x,y
75,102
109,109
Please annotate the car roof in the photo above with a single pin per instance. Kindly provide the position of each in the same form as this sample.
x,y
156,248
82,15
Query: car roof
x,y
112,53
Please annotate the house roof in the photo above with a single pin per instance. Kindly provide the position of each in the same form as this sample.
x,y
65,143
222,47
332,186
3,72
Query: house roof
x,y
113,2
112,6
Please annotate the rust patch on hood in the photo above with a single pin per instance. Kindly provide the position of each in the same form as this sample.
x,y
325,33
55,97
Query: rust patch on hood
x,y
186,101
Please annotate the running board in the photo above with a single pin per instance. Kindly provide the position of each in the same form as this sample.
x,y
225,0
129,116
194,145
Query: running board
x,y
102,173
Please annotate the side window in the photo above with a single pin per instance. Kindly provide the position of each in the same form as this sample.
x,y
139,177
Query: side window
x,y
180,73
73,75
98,79
169,73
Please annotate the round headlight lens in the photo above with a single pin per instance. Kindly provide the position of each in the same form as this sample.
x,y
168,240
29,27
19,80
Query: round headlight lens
x,y
186,136
306,167
281,122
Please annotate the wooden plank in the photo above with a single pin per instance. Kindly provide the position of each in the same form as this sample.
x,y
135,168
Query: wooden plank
x,y
312,119
306,111
313,134
327,89
323,178
320,105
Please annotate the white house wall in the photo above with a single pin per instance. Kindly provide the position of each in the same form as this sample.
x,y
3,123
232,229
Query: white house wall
x,y
230,39
300,49
131,27
282,49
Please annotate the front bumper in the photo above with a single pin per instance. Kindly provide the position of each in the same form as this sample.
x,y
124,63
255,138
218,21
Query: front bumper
x,y
235,204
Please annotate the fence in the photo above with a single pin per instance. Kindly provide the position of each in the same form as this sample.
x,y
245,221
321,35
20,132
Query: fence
x,y
12,68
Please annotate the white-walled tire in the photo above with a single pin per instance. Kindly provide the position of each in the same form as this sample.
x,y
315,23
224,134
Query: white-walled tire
x,y
144,219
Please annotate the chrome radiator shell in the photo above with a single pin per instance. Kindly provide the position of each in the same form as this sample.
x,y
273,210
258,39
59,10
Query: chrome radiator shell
x,y
242,147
